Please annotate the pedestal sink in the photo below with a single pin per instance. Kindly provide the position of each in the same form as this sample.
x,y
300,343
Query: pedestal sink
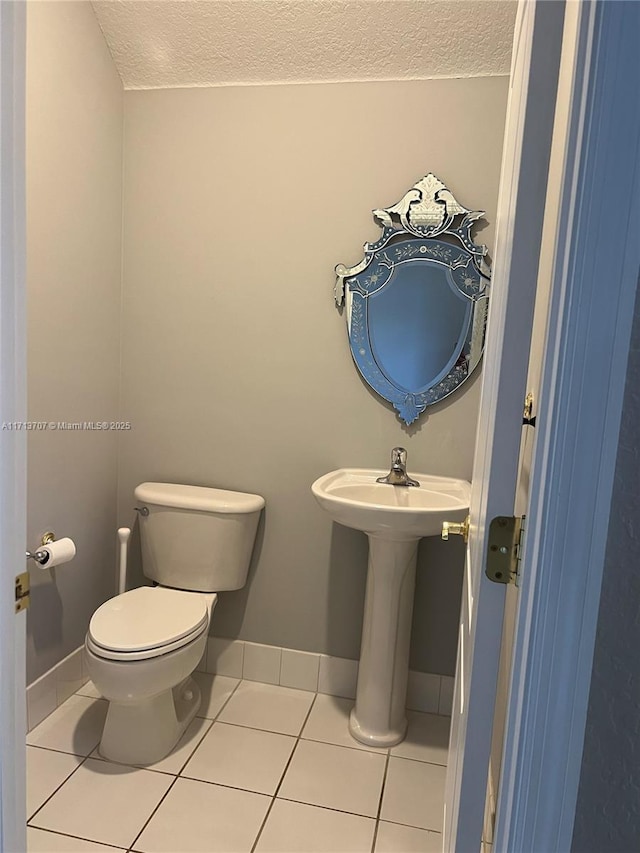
x,y
394,518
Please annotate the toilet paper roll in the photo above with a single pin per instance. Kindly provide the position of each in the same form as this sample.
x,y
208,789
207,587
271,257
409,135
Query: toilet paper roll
x,y
59,551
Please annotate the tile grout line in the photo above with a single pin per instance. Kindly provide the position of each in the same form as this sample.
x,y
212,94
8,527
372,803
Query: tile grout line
x,y
78,837
148,767
413,826
283,774
419,761
257,793
131,845
379,812
328,808
64,781
306,739
299,737
212,721
280,669
285,799
178,775
195,749
58,751
86,757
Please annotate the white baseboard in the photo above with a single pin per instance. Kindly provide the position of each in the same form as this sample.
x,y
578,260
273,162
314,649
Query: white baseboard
x,y
255,662
315,672
55,686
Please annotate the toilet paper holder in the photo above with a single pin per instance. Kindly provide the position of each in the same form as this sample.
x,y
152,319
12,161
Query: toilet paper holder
x,y
42,556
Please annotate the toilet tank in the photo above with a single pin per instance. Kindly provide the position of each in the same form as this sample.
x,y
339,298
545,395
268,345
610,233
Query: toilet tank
x,y
197,538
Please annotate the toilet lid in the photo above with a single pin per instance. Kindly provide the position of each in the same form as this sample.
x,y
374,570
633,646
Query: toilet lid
x,y
150,617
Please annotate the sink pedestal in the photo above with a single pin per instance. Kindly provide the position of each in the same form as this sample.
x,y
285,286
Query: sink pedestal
x,y
378,718
394,518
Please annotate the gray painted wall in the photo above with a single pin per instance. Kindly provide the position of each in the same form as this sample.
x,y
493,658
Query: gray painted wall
x,y
608,807
236,371
74,216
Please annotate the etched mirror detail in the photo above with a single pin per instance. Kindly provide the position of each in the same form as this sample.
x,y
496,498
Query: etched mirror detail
x,y
416,306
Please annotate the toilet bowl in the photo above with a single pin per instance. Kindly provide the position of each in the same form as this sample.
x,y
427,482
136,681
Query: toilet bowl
x,y
141,648
143,645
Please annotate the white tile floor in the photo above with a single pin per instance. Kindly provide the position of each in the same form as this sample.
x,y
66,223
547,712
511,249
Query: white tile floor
x,y
263,768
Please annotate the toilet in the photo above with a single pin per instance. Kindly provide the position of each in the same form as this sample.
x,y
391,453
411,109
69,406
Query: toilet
x,y
143,645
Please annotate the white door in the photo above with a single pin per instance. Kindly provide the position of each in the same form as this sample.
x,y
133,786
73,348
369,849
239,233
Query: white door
x,y
12,442
521,204
592,269
594,284
553,207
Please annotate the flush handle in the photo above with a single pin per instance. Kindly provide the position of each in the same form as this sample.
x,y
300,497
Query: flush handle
x,y
457,528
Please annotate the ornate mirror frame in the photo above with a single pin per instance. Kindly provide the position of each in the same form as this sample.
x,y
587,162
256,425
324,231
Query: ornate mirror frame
x,y
409,231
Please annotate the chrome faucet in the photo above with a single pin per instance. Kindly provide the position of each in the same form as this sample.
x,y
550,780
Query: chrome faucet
x,y
398,476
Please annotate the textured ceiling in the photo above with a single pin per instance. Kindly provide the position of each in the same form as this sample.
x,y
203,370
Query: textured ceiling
x,y
176,43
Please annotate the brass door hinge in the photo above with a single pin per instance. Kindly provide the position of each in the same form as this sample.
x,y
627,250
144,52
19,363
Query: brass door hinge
x,y
22,592
505,544
528,418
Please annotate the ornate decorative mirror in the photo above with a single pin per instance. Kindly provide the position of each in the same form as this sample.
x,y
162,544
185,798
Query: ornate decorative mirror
x,y
416,306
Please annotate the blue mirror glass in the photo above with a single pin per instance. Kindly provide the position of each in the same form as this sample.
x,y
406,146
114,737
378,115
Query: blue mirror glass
x,y
417,325
416,305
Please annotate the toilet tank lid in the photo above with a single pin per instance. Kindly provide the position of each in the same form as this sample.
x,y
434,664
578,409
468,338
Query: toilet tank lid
x,y
199,498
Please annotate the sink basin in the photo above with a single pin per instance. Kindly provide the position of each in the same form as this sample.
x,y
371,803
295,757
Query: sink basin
x,y
394,518
352,497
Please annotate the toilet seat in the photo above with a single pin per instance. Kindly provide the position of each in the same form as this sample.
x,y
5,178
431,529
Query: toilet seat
x,y
147,622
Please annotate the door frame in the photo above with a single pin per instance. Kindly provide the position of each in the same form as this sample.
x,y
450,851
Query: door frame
x,y
578,425
13,497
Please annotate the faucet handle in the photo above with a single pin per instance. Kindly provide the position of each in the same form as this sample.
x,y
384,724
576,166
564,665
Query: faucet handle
x,y
399,456
398,476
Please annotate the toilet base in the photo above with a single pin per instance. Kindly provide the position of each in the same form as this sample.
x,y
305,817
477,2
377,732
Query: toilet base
x,y
146,731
